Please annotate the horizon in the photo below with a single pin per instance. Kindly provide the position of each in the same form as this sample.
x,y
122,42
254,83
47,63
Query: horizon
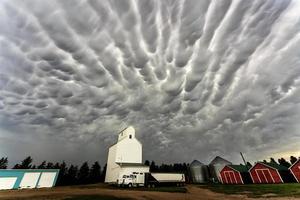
x,y
197,79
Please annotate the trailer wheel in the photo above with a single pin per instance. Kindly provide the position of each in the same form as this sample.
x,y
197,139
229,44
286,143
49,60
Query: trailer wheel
x,y
153,185
130,185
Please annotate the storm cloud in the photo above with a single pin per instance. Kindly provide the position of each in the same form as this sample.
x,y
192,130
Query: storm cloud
x,y
196,78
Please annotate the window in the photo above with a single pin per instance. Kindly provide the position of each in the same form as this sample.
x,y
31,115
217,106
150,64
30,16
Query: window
x,y
141,173
130,136
124,176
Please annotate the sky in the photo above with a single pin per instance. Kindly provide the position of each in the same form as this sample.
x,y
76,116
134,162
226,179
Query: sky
x,y
196,78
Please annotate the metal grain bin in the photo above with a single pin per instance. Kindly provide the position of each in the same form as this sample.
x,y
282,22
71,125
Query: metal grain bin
x,y
215,167
198,172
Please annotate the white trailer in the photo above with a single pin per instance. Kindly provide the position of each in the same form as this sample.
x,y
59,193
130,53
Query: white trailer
x,y
151,179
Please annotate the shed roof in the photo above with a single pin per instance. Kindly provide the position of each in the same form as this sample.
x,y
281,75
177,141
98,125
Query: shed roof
x,y
275,166
294,163
239,168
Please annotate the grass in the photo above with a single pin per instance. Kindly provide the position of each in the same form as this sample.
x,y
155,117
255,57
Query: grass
x,y
156,189
95,197
258,190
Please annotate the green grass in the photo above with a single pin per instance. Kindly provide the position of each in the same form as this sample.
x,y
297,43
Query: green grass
x,y
95,197
258,190
156,189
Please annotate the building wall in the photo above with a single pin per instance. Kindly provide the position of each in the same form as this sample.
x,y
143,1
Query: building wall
x,y
199,173
27,178
129,151
112,168
263,174
230,176
295,170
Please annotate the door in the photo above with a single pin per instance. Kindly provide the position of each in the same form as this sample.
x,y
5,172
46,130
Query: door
x,y
30,180
268,176
47,179
228,178
233,178
264,175
7,183
140,178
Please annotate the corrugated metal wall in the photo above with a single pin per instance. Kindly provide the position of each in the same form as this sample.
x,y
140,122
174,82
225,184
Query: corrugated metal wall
x,y
22,178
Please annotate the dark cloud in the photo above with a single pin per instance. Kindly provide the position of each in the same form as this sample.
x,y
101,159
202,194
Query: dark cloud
x,y
196,78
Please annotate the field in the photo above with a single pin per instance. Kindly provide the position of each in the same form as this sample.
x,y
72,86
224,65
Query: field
x,y
189,192
261,190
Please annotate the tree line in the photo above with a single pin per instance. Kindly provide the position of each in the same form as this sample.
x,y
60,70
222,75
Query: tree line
x,y
68,175
86,174
283,162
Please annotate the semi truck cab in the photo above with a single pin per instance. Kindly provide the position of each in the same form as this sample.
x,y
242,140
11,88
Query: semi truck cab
x,y
151,179
132,180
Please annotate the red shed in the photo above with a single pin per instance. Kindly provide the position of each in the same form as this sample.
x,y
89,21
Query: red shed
x,y
235,174
295,170
270,172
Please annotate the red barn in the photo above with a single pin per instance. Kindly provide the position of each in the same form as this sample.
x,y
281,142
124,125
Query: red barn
x,y
295,170
269,172
235,174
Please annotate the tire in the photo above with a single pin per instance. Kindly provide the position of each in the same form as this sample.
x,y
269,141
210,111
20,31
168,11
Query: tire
x,y
130,185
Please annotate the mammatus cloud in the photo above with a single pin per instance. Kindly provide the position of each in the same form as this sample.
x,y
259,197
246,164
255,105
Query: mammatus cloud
x,y
196,78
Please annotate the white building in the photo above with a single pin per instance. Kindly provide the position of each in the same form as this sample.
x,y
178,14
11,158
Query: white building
x,y
27,178
125,157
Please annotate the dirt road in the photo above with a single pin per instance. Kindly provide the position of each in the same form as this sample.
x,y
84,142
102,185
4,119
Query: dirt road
x,y
194,193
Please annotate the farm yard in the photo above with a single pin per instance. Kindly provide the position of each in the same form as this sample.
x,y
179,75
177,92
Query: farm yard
x,y
189,192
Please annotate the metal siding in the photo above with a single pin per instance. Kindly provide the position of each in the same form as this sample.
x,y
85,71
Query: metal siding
x,y
7,183
13,173
199,172
46,179
29,180
19,174
55,179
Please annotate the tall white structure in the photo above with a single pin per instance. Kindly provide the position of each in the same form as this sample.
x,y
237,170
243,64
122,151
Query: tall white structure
x,y
125,157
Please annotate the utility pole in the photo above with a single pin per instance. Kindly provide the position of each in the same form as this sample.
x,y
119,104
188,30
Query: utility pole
x,y
244,159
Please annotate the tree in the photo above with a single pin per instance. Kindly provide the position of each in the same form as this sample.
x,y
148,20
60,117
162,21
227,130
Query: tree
x,y
283,162
62,176
103,173
272,160
95,173
42,165
3,163
153,167
147,162
50,165
25,164
293,159
83,175
249,165
71,176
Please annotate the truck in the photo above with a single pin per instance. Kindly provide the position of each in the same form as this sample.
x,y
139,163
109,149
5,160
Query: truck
x,y
151,179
